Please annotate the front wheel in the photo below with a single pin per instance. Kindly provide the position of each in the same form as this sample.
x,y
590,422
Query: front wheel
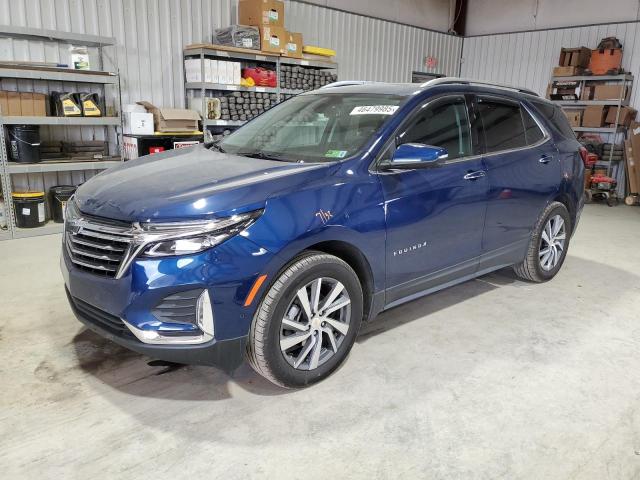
x,y
548,245
307,322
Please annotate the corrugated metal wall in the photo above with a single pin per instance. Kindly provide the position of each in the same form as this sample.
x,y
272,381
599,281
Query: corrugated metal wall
x,y
151,34
527,59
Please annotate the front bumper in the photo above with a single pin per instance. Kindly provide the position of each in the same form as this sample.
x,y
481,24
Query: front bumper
x,y
225,354
114,308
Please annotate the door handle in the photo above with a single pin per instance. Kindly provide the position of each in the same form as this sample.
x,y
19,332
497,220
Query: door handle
x,y
474,175
544,159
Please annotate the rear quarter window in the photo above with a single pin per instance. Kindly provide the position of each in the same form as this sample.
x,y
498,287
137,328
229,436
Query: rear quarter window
x,y
555,116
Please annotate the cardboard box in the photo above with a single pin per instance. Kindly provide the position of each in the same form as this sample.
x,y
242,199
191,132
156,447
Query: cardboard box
x,y
574,117
213,71
15,108
634,141
633,168
272,39
587,92
594,116
4,103
193,70
172,119
567,71
39,105
237,73
574,57
137,123
609,92
293,45
627,115
26,104
261,12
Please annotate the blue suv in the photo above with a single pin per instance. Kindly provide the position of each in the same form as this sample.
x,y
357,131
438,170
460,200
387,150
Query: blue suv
x,y
278,242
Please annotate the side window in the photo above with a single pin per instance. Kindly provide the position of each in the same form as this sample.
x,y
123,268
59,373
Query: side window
x,y
445,124
502,125
532,131
554,114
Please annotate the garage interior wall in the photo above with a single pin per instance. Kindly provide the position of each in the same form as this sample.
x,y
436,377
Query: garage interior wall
x,y
501,16
152,33
526,59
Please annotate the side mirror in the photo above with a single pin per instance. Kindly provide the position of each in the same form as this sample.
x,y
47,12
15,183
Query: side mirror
x,y
416,155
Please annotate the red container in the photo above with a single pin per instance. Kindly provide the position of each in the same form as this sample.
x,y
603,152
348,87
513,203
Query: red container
x,y
261,76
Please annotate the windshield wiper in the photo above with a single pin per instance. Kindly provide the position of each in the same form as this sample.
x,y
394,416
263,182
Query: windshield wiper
x,y
262,155
217,146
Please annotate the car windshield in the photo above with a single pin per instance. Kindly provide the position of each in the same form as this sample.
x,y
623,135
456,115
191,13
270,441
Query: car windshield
x,y
313,128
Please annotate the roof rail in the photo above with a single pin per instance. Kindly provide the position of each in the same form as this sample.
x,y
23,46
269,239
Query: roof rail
x,y
468,81
344,83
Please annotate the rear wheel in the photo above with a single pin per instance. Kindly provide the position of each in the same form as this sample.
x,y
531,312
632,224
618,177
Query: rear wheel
x,y
307,322
548,245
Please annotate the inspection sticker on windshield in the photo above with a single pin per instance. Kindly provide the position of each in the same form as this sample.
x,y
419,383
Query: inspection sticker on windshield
x,y
374,110
336,154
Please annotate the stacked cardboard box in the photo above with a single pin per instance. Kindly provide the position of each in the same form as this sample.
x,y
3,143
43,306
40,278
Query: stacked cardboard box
x,y
268,16
23,104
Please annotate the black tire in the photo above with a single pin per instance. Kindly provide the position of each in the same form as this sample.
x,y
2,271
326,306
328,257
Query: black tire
x,y
531,268
263,346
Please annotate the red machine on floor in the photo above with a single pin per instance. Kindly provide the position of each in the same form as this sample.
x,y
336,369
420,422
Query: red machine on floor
x,y
597,186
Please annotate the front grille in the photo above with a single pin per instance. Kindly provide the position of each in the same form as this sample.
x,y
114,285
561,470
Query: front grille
x,y
98,246
100,318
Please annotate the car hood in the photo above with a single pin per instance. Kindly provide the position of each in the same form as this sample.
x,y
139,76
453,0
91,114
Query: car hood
x,y
189,183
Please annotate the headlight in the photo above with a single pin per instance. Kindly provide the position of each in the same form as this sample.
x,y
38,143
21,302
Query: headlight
x,y
183,238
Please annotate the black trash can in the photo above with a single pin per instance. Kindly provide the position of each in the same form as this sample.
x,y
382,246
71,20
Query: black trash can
x,y
58,197
29,209
24,143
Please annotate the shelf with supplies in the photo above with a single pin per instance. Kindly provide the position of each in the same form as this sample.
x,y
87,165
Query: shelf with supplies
x,y
63,166
618,129
232,88
224,123
586,103
57,74
593,78
231,53
293,76
61,121
93,96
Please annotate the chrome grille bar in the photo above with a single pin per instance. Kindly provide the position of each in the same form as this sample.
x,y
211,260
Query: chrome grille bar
x,y
98,247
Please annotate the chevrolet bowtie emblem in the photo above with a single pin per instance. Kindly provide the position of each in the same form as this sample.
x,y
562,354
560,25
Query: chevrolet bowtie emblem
x,y
324,216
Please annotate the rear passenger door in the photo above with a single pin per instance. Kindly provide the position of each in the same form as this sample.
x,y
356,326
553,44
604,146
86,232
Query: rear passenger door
x,y
523,172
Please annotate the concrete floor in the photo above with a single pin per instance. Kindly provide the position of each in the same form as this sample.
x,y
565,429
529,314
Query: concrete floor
x,y
494,378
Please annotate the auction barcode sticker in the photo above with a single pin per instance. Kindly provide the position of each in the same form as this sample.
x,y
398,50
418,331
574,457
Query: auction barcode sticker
x,y
374,110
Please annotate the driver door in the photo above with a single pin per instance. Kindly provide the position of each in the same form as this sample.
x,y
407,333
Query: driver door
x,y
435,215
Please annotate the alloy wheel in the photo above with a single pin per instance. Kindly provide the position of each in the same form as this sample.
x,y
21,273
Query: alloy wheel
x,y
552,243
315,324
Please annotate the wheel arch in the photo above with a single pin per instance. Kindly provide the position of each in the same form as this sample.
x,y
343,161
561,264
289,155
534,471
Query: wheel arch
x,y
354,257
565,199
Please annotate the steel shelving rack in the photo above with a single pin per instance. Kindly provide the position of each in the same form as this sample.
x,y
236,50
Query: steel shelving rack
x,y
623,101
99,77
236,54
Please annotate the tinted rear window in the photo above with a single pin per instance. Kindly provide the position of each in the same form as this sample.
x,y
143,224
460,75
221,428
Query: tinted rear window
x,y
502,123
531,129
554,115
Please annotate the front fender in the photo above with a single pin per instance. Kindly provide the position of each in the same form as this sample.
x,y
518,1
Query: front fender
x,y
348,211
